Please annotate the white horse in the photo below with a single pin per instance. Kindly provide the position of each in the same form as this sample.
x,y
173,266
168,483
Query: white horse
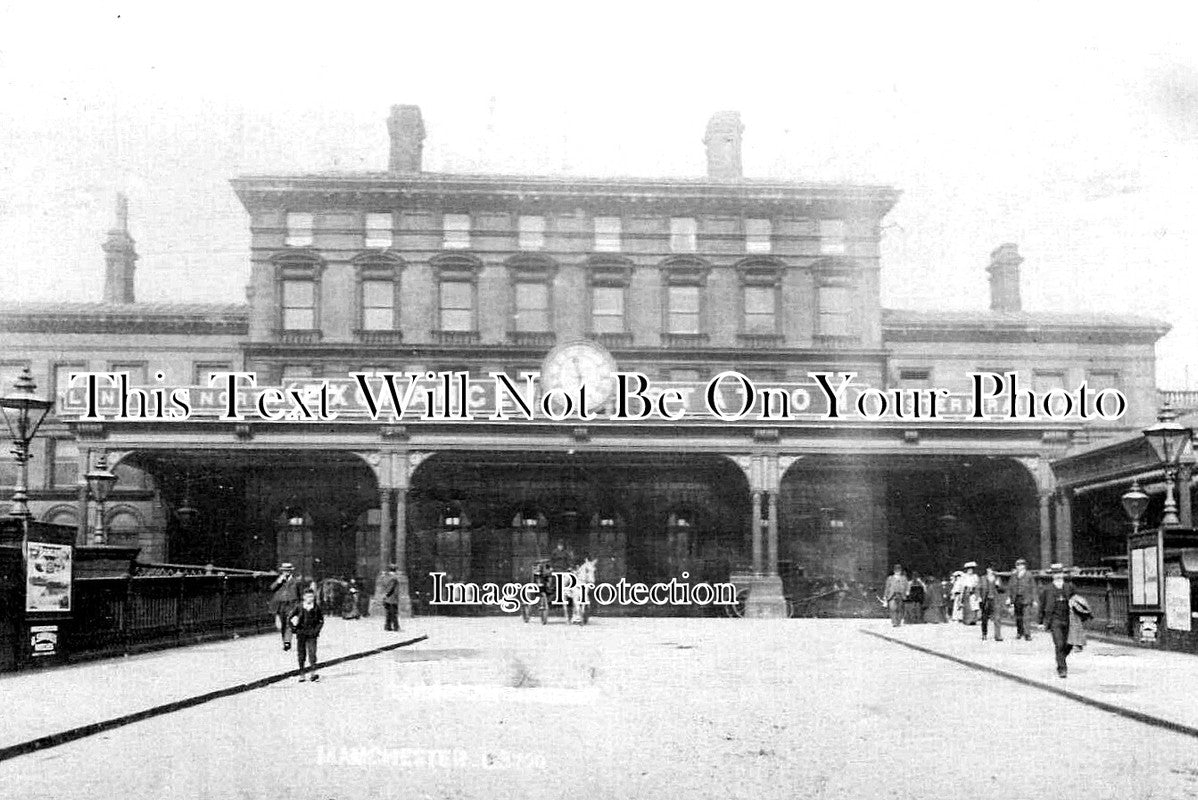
x,y
584,579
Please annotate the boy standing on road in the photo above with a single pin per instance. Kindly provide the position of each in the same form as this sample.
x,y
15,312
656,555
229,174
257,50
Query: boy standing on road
x,y
307,621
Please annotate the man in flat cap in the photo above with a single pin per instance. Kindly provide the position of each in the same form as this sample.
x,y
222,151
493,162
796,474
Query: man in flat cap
x,y
1021,588
283,601
391,599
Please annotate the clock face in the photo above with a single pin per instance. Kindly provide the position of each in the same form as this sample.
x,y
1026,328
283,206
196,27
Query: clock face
x,y
570,366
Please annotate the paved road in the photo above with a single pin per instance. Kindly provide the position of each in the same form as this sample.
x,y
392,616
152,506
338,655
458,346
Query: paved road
x,y
629,708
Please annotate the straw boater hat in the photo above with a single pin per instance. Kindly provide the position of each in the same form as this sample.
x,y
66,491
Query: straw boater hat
x,y
971,565
1079,604
1022,561
286,567
1057,568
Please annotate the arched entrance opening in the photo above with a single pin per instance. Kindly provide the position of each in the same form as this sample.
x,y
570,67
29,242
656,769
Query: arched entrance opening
x,y
642,517
849,519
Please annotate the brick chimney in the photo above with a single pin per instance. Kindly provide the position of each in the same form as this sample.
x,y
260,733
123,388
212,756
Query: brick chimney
x,y
120,257
1004,278
723,145
407,139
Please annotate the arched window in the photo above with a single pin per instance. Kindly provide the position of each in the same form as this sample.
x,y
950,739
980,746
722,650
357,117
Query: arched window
x,y
123,527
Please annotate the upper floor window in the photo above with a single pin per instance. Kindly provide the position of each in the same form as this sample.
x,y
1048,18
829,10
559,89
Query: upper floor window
x,y
835,311
684,235
135,370
915,378
296,372
378,230
457,305
203,371
378,305
832,237
682,309
532,306
607,309
531,233
65,471
760,309
607,234
62,377
758,233
299,305
299,229
684,375
456,231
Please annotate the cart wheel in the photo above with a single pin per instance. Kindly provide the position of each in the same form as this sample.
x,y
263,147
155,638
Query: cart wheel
x,y
737,609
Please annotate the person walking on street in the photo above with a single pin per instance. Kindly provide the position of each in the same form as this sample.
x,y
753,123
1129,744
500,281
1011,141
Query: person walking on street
x,y
916,595
307,620
1021,589
284,599
934,611
391,599
967,589
1063,613
992,597
895,594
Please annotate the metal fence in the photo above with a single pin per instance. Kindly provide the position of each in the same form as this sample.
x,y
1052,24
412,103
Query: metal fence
x,y
117,615
1105,592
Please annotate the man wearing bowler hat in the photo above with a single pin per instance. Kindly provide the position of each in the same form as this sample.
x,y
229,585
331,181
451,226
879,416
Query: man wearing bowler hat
x,y
283,601
1063,613
1021,588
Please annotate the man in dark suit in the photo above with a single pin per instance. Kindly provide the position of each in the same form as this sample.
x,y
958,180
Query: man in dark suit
x,y
992,597
283,600
1054,615
1021,588
391,599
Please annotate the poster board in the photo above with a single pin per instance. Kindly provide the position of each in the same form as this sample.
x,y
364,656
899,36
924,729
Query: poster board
x,y
1177,603
1146,572
48,578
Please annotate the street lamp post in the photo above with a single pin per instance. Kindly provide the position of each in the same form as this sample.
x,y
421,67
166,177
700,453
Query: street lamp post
x,y
1170,439
23,411
99,482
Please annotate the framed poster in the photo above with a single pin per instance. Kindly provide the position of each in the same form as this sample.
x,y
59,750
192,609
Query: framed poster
x,y
1145,556
1177,603
48,577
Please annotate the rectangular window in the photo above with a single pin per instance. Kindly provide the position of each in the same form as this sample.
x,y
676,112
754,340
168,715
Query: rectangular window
x,y
457,232
202,371
832,237
758,233
297,372
1044,382
299,305
1098,381
378,230
835,311
684,235
682,309
607,309
607,234
532,306
531,233
760,309
65,471
457,306
378,305
915,379
136,372
62,377
685,375
299,229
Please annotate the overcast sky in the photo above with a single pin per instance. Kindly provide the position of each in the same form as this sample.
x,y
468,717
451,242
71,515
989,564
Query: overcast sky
x,y
1072,132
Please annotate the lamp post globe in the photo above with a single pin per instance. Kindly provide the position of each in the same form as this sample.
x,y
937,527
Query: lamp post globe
x,y
99,483
1170,440
1135,502
23,410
